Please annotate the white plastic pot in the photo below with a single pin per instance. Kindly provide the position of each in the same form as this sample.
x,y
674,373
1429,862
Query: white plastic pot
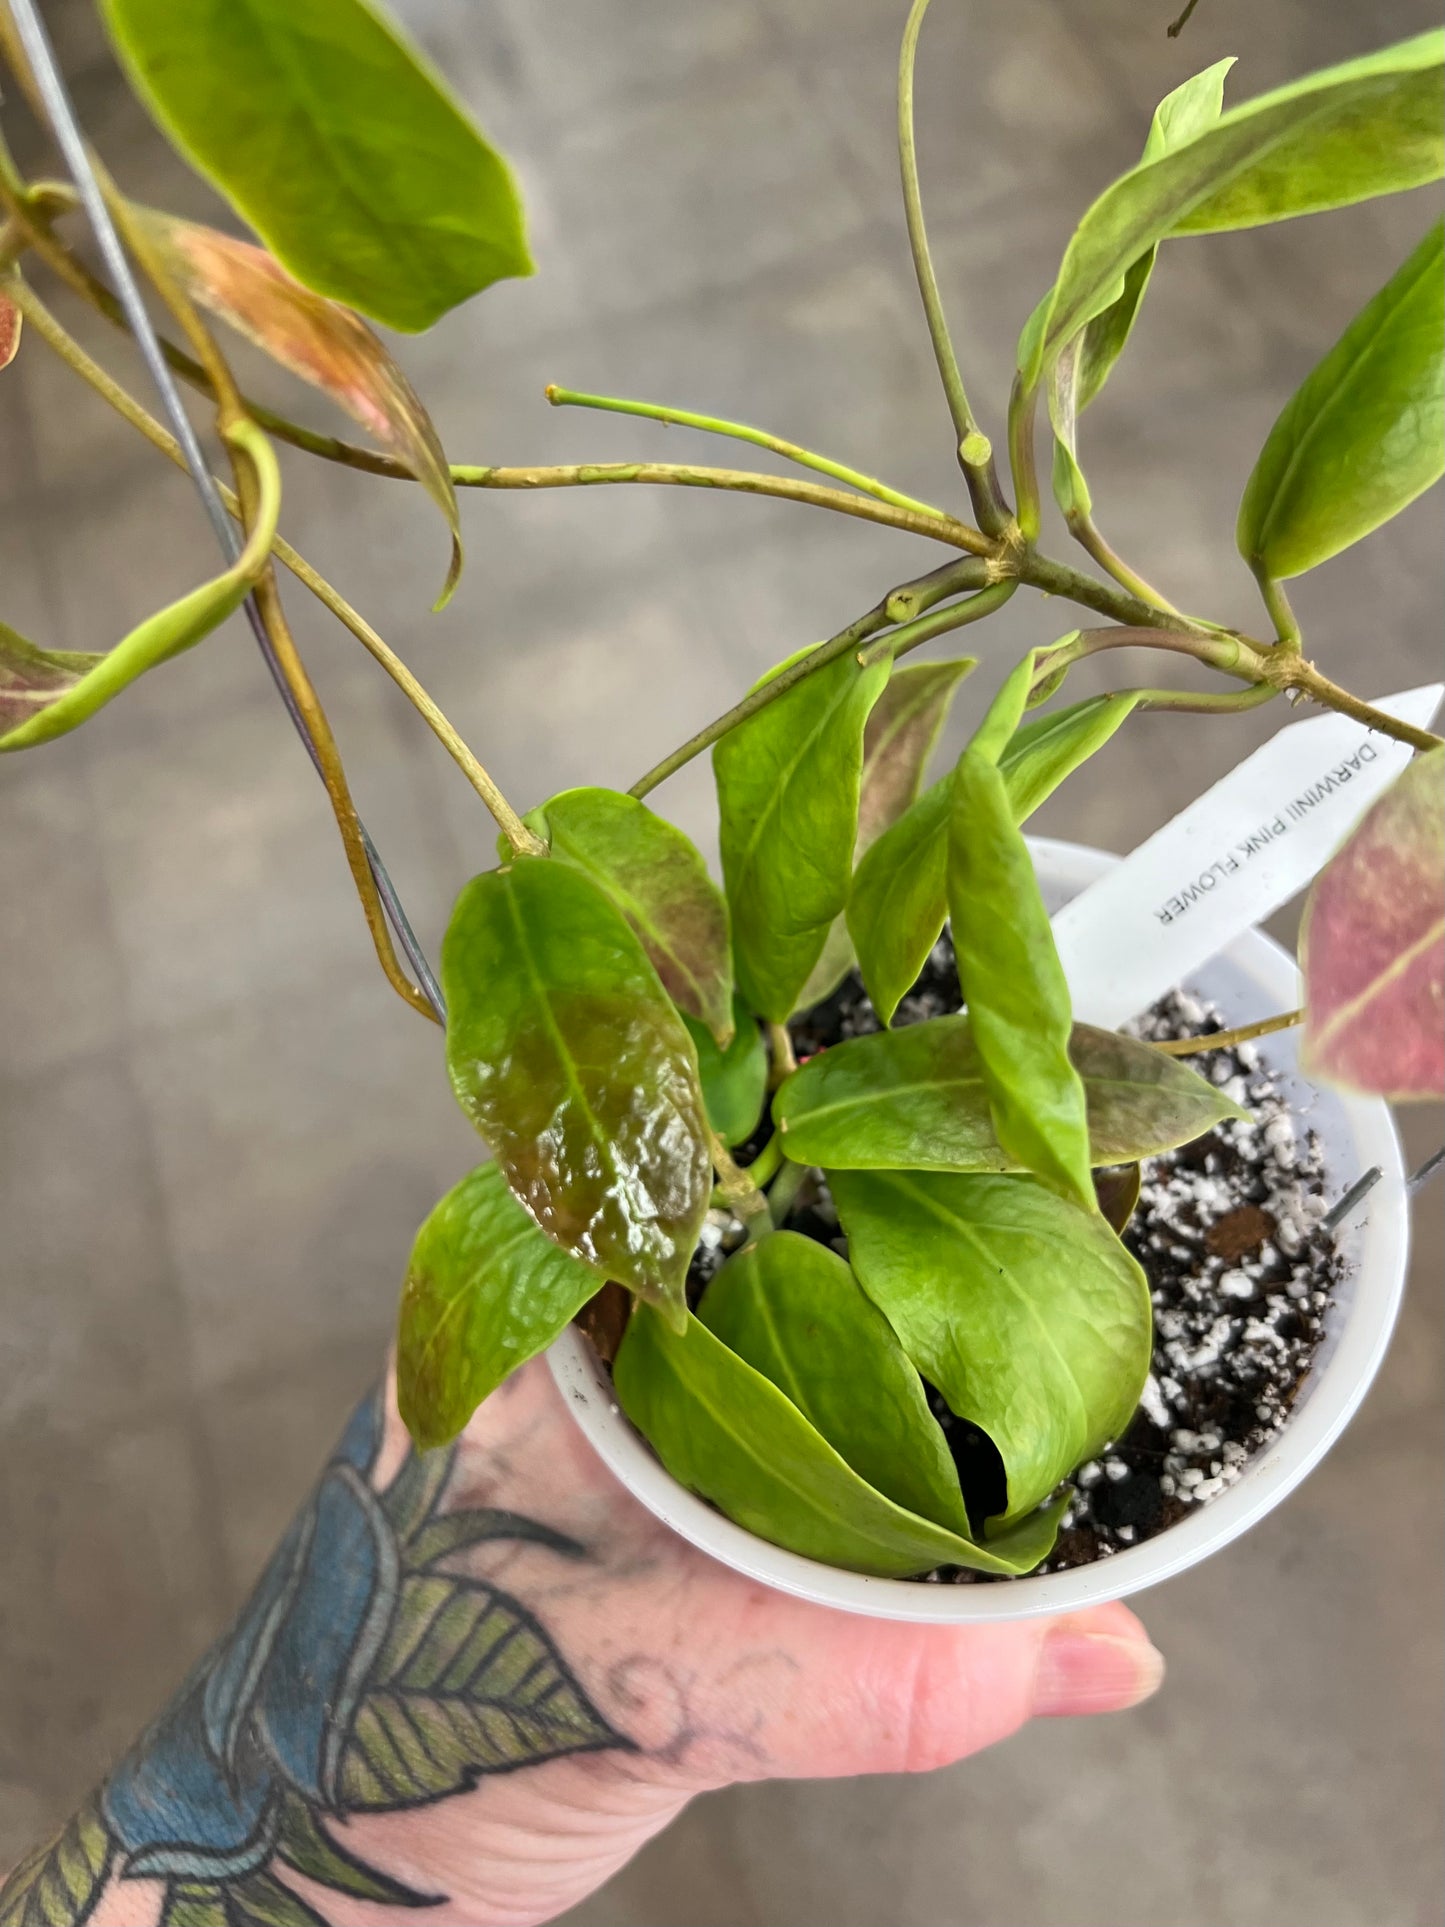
x,y
1251,979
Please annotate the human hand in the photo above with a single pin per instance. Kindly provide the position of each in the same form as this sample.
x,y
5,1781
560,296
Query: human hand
x,y
494,1684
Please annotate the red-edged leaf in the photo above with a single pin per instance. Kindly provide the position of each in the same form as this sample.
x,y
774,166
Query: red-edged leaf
x,y
9,331
899,738
318,340
32,678
1373,946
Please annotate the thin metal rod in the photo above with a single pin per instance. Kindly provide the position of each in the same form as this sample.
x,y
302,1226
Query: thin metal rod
x,y
41,56
1431,1168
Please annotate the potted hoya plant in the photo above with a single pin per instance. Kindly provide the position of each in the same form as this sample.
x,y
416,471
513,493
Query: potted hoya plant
x,y
860,1258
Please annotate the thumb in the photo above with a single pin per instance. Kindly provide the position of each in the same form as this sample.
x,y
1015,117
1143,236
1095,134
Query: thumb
x,y
871,1696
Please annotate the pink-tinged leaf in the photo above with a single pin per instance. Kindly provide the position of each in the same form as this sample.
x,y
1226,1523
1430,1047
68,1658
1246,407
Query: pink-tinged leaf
x,y
898,740
31,678
318,340
9,331
1373,946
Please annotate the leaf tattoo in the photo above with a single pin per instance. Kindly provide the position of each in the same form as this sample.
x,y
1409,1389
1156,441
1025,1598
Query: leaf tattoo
x,y
361,1676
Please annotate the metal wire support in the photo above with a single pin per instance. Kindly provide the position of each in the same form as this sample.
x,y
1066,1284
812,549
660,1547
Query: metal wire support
x,y
38,50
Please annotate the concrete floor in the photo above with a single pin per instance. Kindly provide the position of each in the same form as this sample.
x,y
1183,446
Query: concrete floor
x,y
218,1128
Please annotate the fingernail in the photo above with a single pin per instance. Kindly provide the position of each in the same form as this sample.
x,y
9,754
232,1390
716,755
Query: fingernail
x,y
1094,1673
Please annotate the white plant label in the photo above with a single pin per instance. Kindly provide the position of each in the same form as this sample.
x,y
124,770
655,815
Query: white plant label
x,y
1236,854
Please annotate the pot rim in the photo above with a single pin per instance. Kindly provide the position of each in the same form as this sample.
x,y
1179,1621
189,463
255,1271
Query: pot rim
x,y
1367,1301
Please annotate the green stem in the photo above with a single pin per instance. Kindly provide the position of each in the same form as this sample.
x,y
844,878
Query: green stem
x,y
1189,702
954,615
1286,625
740,1195
975,455
768,1162
1224,1039
757,699
1023,463
907,636
39,317
1086,533
941,528
740,432
784,1192
1230,655
1291,672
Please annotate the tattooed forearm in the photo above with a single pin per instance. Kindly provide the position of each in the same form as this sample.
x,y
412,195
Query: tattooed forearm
x,y
364,1675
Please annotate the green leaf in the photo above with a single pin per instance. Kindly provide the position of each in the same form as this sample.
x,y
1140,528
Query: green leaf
x,y
657,878
1009,969
725,1431
314,338
1372,947
485,1291
468,1683
1027,1313
45,693
336,140
1370,126
1362,435
900,894
794,1311
1041,753
735,1080
897,743
1083,365
59,1883
917,1099
569,1057
788,785
305,1845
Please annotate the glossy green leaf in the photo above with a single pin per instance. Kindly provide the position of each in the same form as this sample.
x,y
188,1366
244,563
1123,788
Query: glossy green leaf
x,y
793,1310
1008,967
1372,946
569,1057
788,784
1370,126
897,743
899,898
336,140
1083,365
725,1431
45,693
1363,434
1041,753
735,1080
485,1291
917,1099
657,878
1027,1313
319,340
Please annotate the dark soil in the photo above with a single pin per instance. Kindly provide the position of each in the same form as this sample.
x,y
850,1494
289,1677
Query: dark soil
x,y
1228,1232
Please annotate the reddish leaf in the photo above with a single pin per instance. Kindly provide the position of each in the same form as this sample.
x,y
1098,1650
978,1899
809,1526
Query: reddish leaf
x,y
899,738
9,331
1373,946
318,340
32,678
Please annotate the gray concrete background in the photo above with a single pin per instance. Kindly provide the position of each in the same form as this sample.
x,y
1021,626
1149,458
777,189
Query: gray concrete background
x,y
218,1128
